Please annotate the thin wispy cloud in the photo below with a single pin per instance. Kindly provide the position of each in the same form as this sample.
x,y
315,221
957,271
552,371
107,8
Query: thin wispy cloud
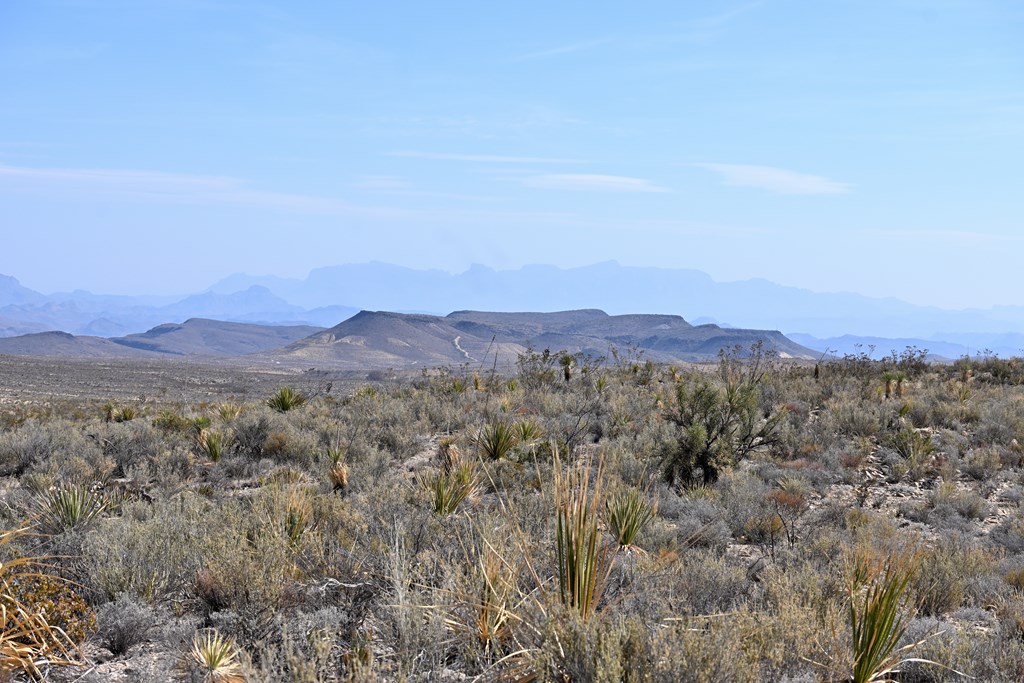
x,y
778,180
161,187
559,50
588,182
963,238
483,158
158,187
397,186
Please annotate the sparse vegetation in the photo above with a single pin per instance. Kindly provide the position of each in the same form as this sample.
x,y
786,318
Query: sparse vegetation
x,y
495,532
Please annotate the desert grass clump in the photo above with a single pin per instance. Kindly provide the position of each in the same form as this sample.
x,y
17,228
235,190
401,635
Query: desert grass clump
x,y
285,399
66,508
627,513
584,560
216,658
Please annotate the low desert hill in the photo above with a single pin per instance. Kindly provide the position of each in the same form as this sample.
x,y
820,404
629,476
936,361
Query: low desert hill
x,y
383,339
202,337
195,337
64,345
376,339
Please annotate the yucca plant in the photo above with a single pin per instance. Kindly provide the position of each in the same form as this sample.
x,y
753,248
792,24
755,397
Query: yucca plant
x,y
216,657
496,440
125,414
527,432
912,444
337,473
229,411
212,444
66,508
889,378
447,489
27,639
627,513
285,399
901,379
877,620
584,559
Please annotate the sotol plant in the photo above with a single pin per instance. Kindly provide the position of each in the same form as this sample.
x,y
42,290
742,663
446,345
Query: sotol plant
x,y
877,620
584,559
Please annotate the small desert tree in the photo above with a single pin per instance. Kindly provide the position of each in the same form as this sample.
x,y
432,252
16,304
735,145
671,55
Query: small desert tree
x,y
719,423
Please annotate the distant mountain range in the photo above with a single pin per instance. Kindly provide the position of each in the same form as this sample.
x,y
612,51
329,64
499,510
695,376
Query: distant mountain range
x,y
407,340
330,295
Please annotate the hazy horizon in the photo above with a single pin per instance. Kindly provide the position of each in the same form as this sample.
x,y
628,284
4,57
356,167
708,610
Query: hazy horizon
x,y
836,147
205,286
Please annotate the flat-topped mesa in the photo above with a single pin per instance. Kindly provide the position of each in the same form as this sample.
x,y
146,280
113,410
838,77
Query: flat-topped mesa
x,y
373,338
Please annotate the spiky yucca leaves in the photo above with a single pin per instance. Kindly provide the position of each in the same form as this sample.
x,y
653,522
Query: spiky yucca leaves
x,y
877,621
229,411
528,435
216,657
212,444
627,513
285,399
27,639
115,413
496,440
67,507
584,559
447,489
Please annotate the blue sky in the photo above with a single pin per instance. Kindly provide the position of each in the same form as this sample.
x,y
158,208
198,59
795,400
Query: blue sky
x,y
154,147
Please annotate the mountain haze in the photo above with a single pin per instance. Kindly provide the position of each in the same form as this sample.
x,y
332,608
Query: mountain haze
x,y
618,289
332,294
